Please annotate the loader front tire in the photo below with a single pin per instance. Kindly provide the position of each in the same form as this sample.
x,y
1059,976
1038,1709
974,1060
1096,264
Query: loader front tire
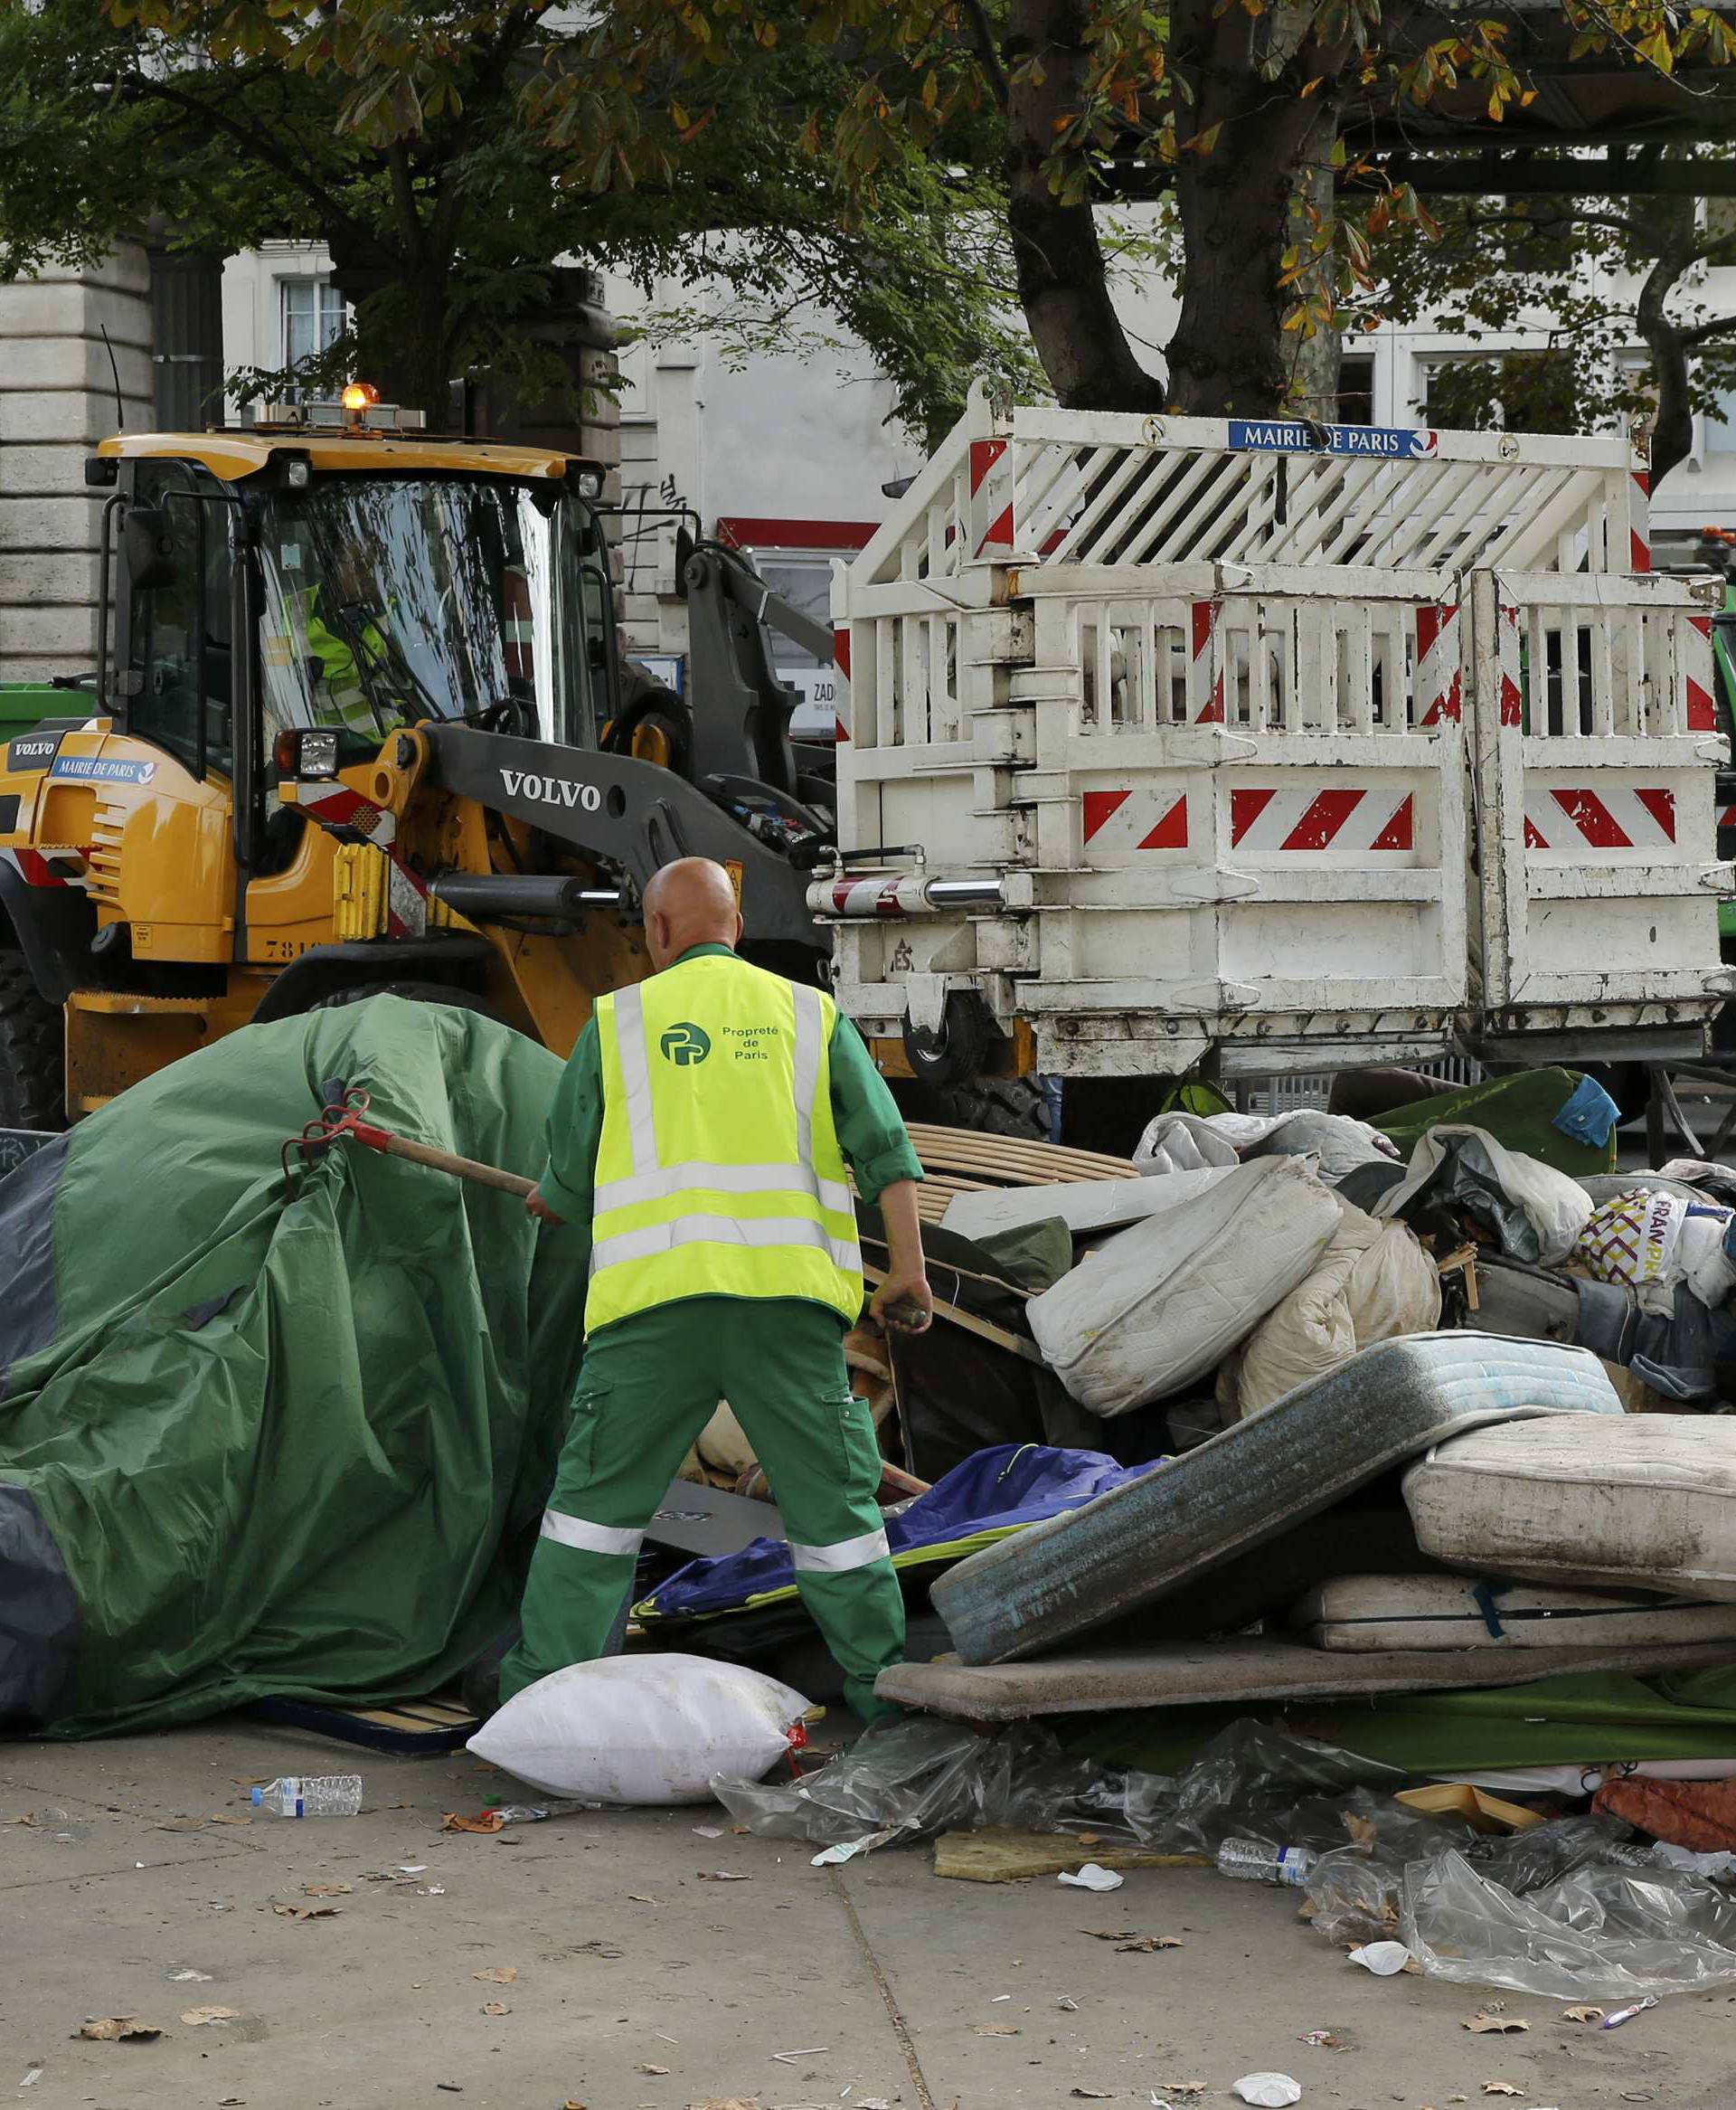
x,y
412,992
992,1106
33,1050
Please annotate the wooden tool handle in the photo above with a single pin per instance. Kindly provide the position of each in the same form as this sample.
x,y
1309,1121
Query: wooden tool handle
x,y
460,1167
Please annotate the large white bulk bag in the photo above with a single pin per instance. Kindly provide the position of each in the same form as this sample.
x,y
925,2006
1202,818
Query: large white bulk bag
x,y
1620,1501
1155,1307
641,1729
1373,1282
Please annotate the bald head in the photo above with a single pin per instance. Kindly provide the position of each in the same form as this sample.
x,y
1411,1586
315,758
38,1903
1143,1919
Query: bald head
x,y
689,903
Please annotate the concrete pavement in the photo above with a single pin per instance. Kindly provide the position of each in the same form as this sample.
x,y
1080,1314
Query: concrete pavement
x,y
889,1985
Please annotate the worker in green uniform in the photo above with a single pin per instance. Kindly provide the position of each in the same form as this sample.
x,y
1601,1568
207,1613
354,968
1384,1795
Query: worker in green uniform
x,y
702,1129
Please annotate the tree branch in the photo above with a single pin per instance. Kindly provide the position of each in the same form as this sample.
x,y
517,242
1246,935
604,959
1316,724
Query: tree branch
x,y
982,34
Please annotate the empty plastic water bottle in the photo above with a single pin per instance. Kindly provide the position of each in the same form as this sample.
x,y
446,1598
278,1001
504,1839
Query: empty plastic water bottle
x,y
1249,1861
330,1794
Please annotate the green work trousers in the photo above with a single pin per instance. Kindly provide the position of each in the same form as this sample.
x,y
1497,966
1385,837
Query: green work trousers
x,y
649,1384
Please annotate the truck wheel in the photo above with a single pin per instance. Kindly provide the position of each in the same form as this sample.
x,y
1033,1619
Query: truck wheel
x,y
992,1106
33,1050
412,992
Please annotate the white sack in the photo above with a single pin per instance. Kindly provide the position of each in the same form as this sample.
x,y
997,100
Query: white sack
x,y
1373,1283
1155,1307
641,1729
1183,1142
1083,1204
1558,1207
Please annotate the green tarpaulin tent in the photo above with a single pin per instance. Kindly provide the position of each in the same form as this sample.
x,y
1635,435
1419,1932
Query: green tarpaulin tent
x,y
261,1442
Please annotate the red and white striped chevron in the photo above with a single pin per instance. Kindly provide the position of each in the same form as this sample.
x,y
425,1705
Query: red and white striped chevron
x,y
1699,711
1135,820
1568,818
1293,820
1208,673
1513,711
1439,680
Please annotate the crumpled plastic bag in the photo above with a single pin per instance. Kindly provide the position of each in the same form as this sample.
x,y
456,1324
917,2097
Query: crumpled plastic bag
x,y
1600,1933
1535,1212
1185,1143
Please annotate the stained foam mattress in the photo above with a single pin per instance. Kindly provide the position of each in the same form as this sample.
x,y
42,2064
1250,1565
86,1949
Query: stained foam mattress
x,y
1137,1544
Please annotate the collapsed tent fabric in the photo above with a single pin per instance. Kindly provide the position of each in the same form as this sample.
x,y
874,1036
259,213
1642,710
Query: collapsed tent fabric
x,y
997,1492
261,1442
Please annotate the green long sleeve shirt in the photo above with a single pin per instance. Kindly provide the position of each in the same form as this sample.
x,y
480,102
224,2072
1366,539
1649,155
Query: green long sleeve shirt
x,y
871,1129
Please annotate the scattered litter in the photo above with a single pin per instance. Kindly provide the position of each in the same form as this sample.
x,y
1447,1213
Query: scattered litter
x,y
1322,2040
998,1998
634,1897
1183,2087
1501,2088
832,1857
650,2070
326,1890
285,1911
197,2018
29,1817
1091,2094
450,2087
180,1824
119,2029
708,1831
1385,1959
32,2077
508,1813
222,1819
1129,1944
1488,2022
1067,2001
184,1974
410,1869
807,2051
723,1876
1623,2015
996,2029
1092,1877
497,1974
1273,2090
1582,2014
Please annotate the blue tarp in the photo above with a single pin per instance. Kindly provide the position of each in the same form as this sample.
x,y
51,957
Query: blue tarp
x,y
992,1494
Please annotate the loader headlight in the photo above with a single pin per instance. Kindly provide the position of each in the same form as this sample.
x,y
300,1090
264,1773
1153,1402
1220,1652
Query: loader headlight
x,y
305,751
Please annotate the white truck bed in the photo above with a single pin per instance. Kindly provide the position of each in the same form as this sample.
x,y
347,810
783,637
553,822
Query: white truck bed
x,y
1282,745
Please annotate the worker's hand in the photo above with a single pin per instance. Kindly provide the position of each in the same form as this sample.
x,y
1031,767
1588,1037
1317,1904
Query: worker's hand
x,y
904,1301
535,1205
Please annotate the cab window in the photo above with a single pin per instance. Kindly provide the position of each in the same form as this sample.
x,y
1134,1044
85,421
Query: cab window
x,y
180,648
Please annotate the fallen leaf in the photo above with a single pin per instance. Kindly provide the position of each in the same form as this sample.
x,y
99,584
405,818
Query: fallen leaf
x,y
656,2069
195,2018
633,1898
232,2102
1582,2014
1501,2088
1182,2088
723,1876
1484,2024
284,1911
1148,1944
496,2007
1110,1934
489,1821
29,1817
325,1889
119,2029
994,2030
1091,2094
250,1780
182,1825
1324,2040
497,1974
232,1821
1089,1838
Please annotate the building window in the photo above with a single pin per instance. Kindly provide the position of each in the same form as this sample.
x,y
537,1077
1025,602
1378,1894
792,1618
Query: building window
x,y
1356,390
314,317
1721,428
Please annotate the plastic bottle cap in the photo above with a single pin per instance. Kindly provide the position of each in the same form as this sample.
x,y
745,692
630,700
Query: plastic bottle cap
x,y
258,1797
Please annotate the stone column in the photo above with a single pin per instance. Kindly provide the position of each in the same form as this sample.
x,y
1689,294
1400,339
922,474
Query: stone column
x,y
57,399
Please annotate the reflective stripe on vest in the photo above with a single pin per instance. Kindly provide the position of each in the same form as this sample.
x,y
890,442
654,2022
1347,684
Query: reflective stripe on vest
x,y
710,1054
839,1559
588,1538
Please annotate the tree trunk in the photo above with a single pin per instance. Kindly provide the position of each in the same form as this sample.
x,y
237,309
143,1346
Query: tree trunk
x,y
1670,222
1315,361
1062,275
1230,355
400,328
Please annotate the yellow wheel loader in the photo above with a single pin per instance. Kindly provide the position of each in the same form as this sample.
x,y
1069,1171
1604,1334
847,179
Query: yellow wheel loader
x,y
360,721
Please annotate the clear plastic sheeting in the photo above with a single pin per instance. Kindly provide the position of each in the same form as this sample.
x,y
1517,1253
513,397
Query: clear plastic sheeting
x,y
919,1776
1600,1933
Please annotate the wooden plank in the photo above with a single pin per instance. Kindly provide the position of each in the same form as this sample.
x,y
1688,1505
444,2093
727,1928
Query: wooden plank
x,y
1242,1671
1001,1854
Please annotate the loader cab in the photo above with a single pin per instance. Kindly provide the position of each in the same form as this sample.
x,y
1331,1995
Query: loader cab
x,y
355,598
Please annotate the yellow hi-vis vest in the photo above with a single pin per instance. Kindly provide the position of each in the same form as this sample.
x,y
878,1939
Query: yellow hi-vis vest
x,y
718,1168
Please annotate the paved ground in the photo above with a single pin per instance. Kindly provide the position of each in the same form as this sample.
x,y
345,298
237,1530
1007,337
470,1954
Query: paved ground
x,y
887,1983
